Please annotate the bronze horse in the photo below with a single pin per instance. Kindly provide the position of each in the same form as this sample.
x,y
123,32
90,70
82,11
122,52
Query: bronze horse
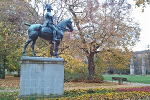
x,y
36,30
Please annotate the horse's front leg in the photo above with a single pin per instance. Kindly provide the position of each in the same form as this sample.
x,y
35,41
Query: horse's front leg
x,y
56,49
26,44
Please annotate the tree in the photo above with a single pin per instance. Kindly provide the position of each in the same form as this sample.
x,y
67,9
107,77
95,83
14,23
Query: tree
x,y
102,27
113,59
13,32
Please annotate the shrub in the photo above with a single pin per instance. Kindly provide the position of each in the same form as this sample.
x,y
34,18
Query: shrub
x,y
17,75
81,77
75,76
97,79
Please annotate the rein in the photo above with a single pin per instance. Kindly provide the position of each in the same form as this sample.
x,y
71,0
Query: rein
x,y
61,28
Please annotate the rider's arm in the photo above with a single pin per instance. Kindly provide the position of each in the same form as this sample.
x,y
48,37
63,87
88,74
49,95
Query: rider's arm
x,y
50,17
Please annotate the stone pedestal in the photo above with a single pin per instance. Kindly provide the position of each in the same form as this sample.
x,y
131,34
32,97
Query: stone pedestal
x,y
41,76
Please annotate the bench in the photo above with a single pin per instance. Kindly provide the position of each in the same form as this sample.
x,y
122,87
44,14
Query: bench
x,y
120,80
114,78
125,79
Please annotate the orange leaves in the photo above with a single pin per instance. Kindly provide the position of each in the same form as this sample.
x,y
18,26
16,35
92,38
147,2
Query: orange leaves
x,y
92,6
142,3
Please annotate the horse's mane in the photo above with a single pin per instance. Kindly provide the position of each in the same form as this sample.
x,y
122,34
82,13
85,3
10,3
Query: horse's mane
x,y
62,23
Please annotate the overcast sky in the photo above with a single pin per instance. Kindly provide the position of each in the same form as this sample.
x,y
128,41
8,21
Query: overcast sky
x,y
144,20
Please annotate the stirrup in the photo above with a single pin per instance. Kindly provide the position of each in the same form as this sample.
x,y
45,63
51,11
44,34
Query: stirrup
x,y
56,39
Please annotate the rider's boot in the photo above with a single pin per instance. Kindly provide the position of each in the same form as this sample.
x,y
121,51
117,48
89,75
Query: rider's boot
x,y
54,36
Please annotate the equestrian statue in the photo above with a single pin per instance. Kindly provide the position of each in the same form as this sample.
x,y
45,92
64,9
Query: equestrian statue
x,y
48,31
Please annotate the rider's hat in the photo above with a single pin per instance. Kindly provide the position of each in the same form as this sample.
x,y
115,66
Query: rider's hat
x,y
48,6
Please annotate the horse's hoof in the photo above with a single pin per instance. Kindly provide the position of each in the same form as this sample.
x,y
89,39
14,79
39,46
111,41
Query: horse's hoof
x,y
57,57
35,56
24,54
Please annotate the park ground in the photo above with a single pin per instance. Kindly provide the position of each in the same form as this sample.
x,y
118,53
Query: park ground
x,y
9,89
13,83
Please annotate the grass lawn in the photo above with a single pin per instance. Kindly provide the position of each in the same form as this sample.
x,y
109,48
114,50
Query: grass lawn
x,y
135,78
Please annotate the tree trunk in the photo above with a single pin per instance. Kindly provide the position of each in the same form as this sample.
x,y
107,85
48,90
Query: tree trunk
x,y
4,64
91,66
3,74
51,49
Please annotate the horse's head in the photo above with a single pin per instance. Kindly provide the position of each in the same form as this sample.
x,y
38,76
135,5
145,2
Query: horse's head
x,y
65,23
69,24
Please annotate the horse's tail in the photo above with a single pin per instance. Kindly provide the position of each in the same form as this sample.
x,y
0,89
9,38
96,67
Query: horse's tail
x,y
27,24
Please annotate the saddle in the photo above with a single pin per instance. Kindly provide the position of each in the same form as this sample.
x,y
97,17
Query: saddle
x,y
46,29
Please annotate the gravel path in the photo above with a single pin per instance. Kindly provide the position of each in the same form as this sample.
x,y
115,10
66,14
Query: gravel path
x,y
15,90
124,85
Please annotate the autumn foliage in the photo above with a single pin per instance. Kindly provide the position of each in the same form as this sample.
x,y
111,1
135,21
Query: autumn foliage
x,y
103,27
103,31
13,32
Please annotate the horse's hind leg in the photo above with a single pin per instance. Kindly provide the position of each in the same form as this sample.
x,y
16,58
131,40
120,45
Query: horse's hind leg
x,y
32,46
26,44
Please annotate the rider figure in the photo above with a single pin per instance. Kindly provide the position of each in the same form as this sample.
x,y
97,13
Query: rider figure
x,y
49,21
